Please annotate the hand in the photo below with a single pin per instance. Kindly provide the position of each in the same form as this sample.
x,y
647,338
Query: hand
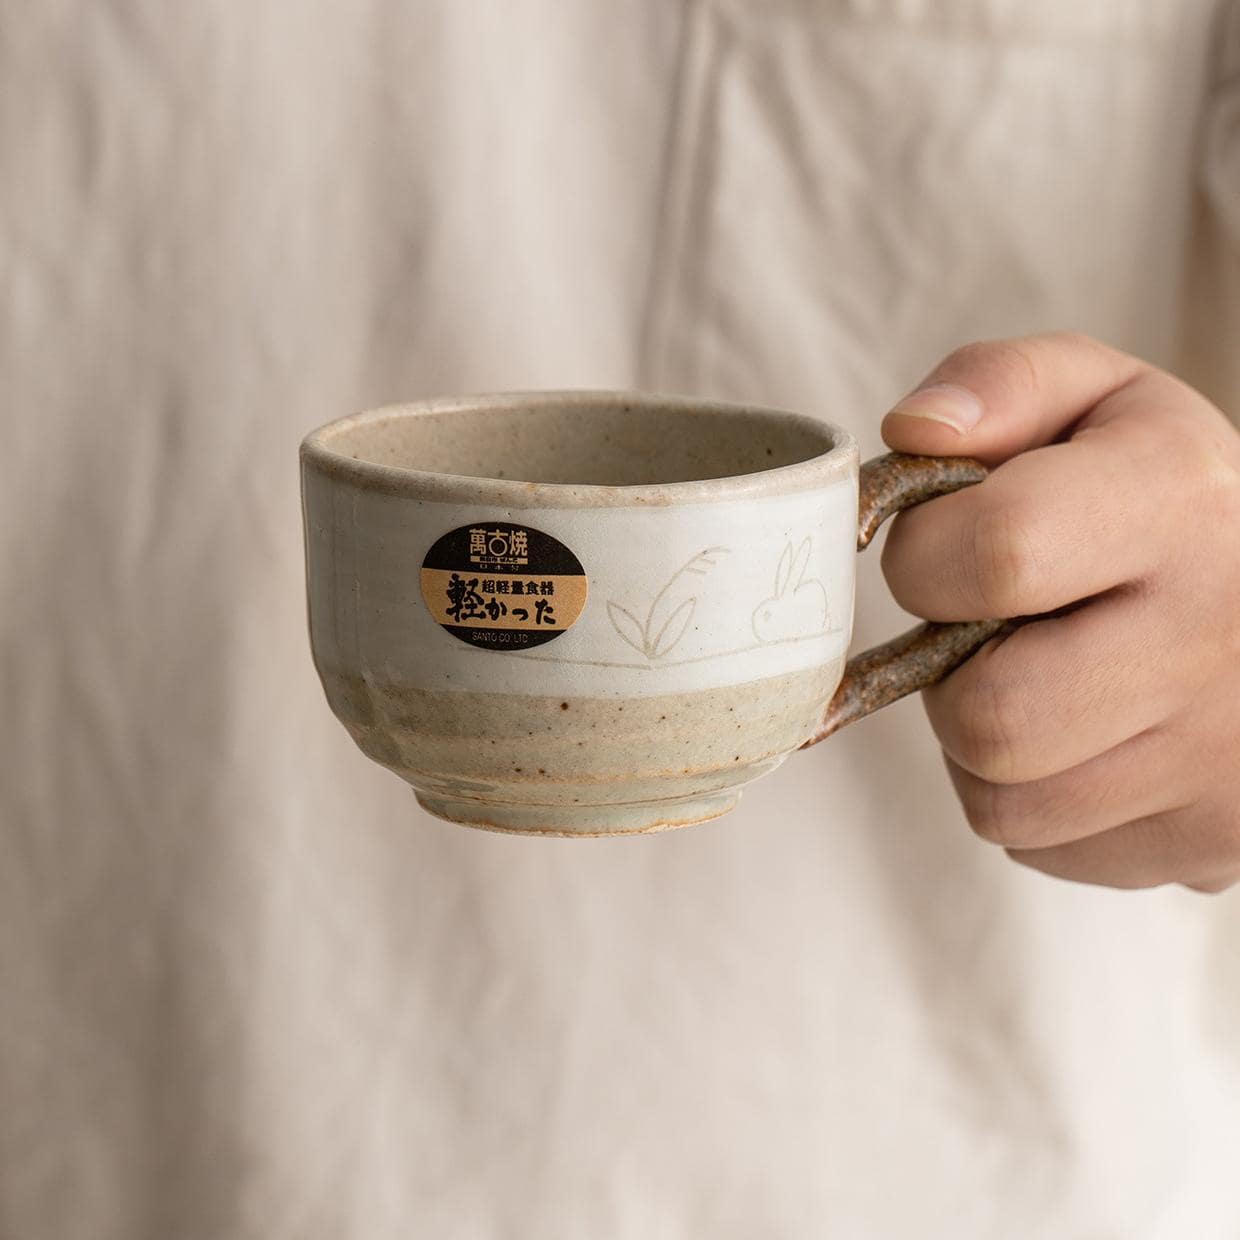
x,y
1100,743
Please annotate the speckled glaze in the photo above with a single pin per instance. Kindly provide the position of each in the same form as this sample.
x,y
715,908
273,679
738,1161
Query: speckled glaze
x,y
581,765
912,661
717,543
895,481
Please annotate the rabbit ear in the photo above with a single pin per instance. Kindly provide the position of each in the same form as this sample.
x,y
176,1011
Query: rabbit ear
x,y
801,562
784,572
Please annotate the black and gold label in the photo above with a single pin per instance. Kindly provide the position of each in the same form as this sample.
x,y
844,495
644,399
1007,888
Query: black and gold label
x,y
503,586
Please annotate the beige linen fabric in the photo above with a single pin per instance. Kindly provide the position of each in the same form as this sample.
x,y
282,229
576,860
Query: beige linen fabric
x,y
247,989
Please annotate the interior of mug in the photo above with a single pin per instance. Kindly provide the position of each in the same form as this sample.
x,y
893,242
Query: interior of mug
x,y
600,439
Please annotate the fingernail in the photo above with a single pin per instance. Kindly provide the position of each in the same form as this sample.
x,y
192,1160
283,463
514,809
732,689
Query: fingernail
x,y
954,406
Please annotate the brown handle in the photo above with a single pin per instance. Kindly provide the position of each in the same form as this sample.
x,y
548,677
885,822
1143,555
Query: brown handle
x,y
924,655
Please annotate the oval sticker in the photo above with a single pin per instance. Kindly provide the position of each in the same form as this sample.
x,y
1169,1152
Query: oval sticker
x,y
503,586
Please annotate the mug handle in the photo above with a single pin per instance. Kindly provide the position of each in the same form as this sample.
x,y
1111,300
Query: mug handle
x,y
925,655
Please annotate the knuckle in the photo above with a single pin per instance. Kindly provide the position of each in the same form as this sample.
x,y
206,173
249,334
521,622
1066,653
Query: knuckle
x,y
1214,886
992,728
1223,871
1181,434
994,815
1078,341
1173,434
1020,366
1231,840
1216,474
1008,567
1011,364
970,355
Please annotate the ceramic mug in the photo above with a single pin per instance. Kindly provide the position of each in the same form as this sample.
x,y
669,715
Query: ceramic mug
x,y
595,613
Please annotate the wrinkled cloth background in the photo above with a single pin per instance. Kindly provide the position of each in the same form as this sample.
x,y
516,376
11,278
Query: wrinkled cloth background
x,y
247,988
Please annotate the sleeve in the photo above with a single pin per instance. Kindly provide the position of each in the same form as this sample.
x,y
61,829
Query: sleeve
x,y
1211,345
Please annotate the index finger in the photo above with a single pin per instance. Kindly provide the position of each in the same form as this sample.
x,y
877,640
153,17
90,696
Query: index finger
x,y
1048,528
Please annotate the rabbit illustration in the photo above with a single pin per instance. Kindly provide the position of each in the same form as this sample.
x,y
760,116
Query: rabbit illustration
x,y
798,608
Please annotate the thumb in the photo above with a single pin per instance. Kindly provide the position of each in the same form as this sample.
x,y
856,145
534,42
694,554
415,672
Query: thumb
x,y
998,398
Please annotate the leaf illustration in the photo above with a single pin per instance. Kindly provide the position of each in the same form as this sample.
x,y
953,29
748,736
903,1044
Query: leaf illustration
x,y
704,561
666,603
626,625
669,628
801,563
674,629
784,571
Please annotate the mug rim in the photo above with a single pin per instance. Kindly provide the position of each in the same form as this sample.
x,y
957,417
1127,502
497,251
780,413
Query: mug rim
x,y
809,474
